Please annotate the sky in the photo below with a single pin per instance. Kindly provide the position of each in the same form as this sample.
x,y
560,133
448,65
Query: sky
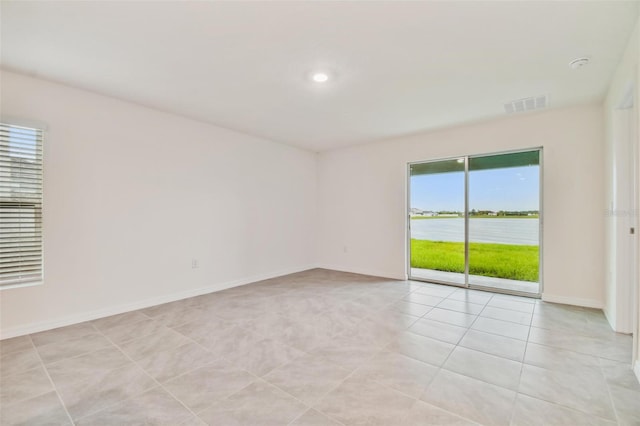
x,y
512,189
22,142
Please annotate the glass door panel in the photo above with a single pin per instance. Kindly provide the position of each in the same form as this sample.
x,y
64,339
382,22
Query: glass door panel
x,y
504,229
437,221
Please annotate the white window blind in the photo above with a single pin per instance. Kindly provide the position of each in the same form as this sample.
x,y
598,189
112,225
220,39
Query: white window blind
x,y
20,205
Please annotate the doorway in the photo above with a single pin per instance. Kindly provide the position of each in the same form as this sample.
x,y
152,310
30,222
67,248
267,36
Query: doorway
x,y
475,221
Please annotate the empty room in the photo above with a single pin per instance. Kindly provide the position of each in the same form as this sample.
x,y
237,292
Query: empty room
x,y
319,213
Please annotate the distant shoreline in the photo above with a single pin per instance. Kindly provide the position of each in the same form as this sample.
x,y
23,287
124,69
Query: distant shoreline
x,y
475,217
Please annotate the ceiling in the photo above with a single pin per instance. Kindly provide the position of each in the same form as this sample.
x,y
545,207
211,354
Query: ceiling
x,y
396,67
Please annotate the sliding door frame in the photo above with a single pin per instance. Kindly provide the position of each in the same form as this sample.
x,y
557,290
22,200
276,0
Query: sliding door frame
x,y
466,284
408,222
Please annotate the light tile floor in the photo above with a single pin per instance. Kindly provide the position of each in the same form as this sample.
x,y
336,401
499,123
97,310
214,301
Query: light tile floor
x,y
327,348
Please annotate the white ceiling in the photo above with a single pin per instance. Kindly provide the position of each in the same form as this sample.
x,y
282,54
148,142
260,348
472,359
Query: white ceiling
x,y
398,67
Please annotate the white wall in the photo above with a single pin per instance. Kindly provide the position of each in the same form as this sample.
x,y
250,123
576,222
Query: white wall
x,y
362,196
133,194
626,80
618,187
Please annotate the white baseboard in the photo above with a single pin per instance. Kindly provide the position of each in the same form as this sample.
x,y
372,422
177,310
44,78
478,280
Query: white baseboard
x,y
575,301
611,319
119,309
361,271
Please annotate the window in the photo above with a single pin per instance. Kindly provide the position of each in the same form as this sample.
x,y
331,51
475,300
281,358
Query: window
x,y
20,205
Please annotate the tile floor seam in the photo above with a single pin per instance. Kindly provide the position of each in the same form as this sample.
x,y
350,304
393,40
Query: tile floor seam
x,y
141,392
466,302
562,405
471,325
427,337
220,357
95,331
31,396
613,404
191,340
44,367
397,390
16,337
115,404
19,371
450,412
564,328
440,368
84,416
258,378
511,310
484,352
351,374
454,310
417,399
480,313
33,345
513,405
276,340
460,374
75,356
489,353
569,350
497,334
134,338
127,312
471,377
347,376
522,364
122,400
513,409
311,408
318,399
228,396
506,320
448,323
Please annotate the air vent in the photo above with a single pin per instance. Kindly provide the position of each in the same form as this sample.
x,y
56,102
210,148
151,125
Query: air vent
x,y
527,104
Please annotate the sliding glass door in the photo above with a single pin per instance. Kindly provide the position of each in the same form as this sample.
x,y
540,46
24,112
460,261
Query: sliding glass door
x,y
437,221
474,221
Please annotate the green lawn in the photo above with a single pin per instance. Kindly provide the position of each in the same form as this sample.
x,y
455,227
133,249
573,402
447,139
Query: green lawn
x,y
515,262
473,217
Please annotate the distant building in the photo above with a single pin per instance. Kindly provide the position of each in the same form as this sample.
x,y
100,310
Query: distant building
x,y
417,212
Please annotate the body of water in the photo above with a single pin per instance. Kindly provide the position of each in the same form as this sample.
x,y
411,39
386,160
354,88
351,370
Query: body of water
x,y
481,230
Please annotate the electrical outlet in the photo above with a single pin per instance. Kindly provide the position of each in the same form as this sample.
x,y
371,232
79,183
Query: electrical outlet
x,y
195,264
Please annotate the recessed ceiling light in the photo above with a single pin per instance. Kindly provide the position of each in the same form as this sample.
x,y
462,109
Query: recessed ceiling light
x,y
579,63
320,77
